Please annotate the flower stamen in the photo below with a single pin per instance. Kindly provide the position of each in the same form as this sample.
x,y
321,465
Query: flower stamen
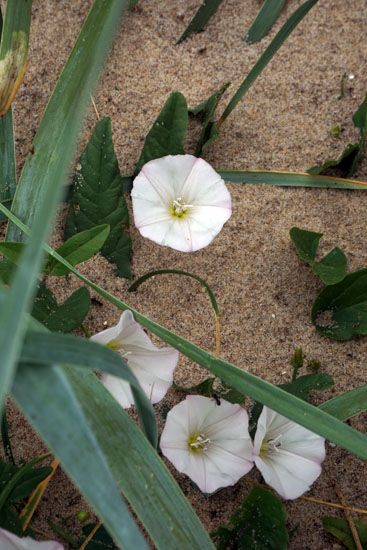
x,y
179,208
198,443
271,446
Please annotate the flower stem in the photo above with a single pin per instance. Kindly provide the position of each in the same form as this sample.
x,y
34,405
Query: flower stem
x,y
334,505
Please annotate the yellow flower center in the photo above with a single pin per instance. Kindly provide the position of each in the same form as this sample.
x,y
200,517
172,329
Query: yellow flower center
x,y
179,209
270,446
113,344
198,443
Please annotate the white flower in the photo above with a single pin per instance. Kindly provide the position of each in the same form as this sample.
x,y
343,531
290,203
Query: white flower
x,y
180,201
9,541
288,456
208,442
152,366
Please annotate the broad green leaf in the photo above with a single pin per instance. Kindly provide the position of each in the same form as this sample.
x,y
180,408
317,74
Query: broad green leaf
x,y
79,248
264,59
65,317
303,385
167,135
347,404
265,19
332,268
41,184
98,199
13,49
340,310
46,396
259,523
260,390
340,529
200,19
206,111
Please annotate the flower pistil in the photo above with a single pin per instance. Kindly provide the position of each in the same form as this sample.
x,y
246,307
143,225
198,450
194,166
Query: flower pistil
x,y
198,443
179,209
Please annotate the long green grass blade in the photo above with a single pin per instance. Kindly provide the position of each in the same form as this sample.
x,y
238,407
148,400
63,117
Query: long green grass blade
x,y
46,396
265,19
200,19
40,186
274,397
290,179
13,49
348,404
269,53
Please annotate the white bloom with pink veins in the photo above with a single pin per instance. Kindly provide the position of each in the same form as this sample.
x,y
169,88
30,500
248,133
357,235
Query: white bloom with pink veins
x,y
9,541
180,201
288,456
152,366
209,443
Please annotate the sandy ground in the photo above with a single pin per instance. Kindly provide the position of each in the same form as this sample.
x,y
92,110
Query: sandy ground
x,y
265,293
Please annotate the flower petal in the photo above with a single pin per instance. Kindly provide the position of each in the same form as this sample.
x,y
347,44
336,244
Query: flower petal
x,y
9,541
119,389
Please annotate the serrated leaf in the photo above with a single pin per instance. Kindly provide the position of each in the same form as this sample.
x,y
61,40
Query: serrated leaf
x,y
265,19
167,135
97,198
200,19
65,317
340,310
332,268
340,529
259,523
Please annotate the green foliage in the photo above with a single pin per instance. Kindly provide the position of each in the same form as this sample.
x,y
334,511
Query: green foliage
x,y
100,540
332,268
347,404
65,317
340,310
340,529
259,523
167,135
265,19
97,198
221,391
350,158
297,362
200,19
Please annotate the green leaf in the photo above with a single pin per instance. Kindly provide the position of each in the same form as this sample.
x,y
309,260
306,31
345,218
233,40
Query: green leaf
x,y
97,198
7,159
289,179
200,19
266,57
29,481
347,404
101,540
61,318
79,248
167,135
222,391
340,310
340,529
332,268
302,385
265,19
259,523
260,390
206,110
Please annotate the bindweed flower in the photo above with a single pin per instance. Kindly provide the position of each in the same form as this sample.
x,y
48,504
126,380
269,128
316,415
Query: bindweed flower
x,y
288,456
152,366
208,442
9,541
180,201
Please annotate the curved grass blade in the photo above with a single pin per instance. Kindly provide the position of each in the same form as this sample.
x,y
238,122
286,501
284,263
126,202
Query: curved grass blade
x,y
40,186
200,19
270,51
290,179
7,160
43,348
13,49
348,404
52,407
265,19
260,390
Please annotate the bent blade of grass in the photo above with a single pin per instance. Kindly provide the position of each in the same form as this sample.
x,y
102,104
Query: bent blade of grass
x,y
290,179
40,186
301,412
265,19
269,53
200,19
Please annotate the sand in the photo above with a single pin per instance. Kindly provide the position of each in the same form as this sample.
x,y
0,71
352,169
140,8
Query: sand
x,y
265,293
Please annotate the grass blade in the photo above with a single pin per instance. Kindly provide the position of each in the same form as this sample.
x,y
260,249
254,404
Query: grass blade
x,y
13,49
290,179
40,186
313,418
200,19
270,51
265,19
348,404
